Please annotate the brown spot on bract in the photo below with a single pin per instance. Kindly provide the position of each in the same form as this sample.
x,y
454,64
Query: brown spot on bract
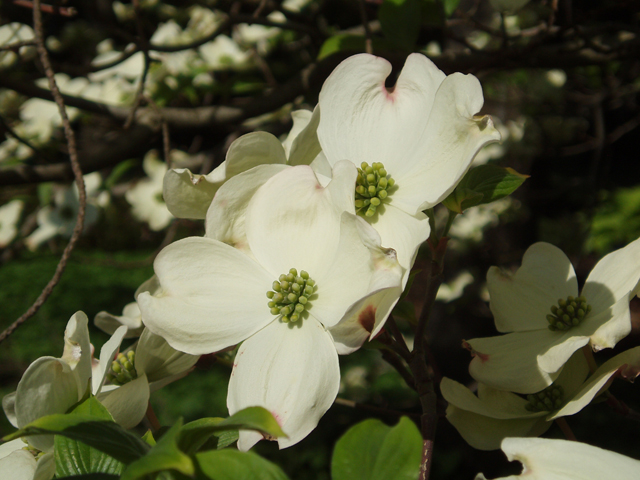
x,y
367,318
474,353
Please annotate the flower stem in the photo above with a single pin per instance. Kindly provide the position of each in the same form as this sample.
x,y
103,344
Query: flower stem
x,y
588,354
418,364
447,227
152,419
566,429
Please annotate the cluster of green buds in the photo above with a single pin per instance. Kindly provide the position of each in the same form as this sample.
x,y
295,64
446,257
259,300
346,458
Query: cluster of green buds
x,y
33,451
373,185
569,313
122,369
549,399
290,295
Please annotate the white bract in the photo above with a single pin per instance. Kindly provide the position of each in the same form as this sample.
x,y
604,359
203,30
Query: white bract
x,y
545,334
189,196
545,459
486,419
131,316
146,196
412,142
309,283
9,216
19,462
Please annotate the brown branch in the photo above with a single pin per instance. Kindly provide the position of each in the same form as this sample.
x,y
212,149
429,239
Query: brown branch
x,y
53,9
145,69
75,166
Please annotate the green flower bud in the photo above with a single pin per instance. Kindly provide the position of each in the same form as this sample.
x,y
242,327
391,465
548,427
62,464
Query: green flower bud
x,y
373,185
123,369
290,295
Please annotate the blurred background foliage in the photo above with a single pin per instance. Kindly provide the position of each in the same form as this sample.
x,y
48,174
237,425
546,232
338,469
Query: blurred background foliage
x,y
561,79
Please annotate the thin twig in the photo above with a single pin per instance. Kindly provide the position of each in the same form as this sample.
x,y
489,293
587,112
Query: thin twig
x,y
395,361
367,29
371,408
566,429
418,364
53,9
145,70
24,141
166,143
397,334
75,165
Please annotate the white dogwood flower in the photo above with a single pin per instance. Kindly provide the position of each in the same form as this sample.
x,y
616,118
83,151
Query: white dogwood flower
x,y
491,416
412,143
549,318
310,284
545,459
53,385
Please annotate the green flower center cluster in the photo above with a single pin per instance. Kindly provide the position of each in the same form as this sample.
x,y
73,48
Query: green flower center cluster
x,y
551,398
569,313
373,185
122,369
33,451
290,295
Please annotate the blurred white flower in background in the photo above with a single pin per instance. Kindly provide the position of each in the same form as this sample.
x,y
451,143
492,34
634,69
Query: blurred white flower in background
x,y
146,196
13,33
60,218
9,216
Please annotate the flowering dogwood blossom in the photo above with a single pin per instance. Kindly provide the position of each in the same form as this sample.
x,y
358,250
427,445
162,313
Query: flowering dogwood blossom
x,y
486,419
412,143
189,196
311,283
52,385
545,459
546,331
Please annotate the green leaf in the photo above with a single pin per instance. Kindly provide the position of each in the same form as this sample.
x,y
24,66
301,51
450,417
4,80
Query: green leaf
x,y
91,476
149,438
400,22
234,465
165,455
194,434
406,310
353,43
450,6
108,437
76,458
227,438
483,184
372,450
338,43
412,277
